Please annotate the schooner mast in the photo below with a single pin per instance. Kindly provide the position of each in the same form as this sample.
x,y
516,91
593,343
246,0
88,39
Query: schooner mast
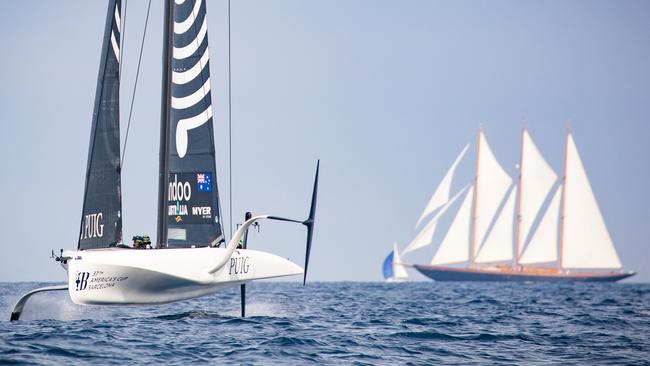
x,y
560,261
518,216
163,168
472,250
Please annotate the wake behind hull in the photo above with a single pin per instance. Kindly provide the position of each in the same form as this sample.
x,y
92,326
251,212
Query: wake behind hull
x,y
437,273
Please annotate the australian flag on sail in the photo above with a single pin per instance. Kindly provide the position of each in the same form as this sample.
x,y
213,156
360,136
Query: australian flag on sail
x,y
204,182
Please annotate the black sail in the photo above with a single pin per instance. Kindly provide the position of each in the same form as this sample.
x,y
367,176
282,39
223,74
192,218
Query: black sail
x,y
101,221
191,212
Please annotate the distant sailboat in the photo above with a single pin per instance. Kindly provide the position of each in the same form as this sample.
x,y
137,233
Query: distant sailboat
x,y
393,268
568,241
191,257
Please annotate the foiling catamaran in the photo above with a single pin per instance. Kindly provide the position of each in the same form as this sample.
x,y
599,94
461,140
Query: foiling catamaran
x,y
557,232
189,259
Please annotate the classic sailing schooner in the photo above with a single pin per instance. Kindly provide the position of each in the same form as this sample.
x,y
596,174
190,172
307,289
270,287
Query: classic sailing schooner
x,y
559,231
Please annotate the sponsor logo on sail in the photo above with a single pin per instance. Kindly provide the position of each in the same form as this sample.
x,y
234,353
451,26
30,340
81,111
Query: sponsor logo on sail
x,y
92,226
205,212
177,210
179,191
190,198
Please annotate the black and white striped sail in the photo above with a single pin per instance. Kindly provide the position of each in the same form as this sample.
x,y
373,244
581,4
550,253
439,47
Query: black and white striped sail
x,y
101,221
192,211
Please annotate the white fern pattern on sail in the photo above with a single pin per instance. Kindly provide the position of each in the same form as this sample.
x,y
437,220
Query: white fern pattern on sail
x,y
191,149
184,26
115,38
189,124
181,53
185,77
192,99
190,73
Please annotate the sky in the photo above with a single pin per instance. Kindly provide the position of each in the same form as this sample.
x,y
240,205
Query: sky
x,y
385,92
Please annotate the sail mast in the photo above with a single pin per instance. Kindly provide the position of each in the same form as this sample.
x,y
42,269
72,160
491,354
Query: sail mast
x,y
518,230
473,229
164,125
562,215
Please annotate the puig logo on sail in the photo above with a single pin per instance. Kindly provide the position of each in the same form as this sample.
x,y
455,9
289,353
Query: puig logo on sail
x,y
91,227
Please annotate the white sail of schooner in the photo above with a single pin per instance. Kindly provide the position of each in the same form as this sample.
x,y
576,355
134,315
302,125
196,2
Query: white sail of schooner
x,y
536,179
542,247
441,195
454,248
492,184
585,240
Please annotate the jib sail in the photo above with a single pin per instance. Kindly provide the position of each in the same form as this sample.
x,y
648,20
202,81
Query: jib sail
x,y
189,211
101,221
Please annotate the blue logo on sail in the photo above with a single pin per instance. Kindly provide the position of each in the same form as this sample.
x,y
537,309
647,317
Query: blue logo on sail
x,y
204,182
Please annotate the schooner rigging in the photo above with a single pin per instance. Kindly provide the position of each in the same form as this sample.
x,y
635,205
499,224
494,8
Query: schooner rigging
x,y
538,229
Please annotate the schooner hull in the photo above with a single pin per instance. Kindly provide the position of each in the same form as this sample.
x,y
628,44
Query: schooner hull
x,y
438,273
156,276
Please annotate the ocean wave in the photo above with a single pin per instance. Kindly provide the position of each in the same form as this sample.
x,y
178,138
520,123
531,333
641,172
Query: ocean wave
x,y
342,323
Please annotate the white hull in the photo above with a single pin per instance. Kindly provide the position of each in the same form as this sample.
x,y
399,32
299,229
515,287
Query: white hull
x,y
154,276
396,280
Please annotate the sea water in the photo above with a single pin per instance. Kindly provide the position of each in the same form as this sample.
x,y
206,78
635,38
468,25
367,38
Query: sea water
x,y
420,323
